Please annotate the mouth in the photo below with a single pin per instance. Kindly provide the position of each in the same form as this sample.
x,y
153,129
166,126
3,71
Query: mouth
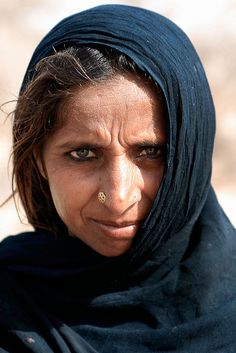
x,y
122,230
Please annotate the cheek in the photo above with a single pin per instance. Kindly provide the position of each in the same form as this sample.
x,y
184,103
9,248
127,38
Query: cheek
x,y
152,182
68,193
60,191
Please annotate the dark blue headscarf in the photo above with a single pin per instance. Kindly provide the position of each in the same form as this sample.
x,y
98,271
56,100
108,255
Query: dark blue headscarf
x,y
174,291
159,47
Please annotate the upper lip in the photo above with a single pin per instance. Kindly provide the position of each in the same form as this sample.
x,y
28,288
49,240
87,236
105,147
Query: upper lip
x,y
117,224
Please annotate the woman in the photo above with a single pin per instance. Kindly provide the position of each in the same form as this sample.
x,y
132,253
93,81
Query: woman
x,y
113,138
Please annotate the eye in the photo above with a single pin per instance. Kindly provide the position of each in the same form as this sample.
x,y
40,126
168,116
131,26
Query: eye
x,y
152,152
82,154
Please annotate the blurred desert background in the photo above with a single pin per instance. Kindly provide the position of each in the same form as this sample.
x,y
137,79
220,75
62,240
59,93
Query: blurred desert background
x,y
210,24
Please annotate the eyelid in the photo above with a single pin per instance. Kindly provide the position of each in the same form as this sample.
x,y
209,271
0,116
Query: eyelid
x,y
74,146
152,145
82,149
160,150
81,158
94,148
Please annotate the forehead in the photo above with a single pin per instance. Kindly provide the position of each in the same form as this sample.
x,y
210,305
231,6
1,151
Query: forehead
x,y
121,101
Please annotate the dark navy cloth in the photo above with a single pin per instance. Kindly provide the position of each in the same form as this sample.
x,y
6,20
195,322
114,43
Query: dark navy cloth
x,y
175,289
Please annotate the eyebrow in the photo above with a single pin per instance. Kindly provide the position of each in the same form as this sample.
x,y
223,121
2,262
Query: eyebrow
x,y
71,145
86,144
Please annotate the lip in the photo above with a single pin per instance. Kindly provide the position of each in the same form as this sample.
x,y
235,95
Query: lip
x,y
123,230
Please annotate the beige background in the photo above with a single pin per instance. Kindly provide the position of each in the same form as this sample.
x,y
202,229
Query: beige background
x,y
210,24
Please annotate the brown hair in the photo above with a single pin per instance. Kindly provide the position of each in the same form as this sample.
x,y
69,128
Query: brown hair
x,y
36,113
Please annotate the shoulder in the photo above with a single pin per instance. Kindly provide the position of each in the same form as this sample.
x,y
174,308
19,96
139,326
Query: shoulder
x,y
24,239
17,237
23,245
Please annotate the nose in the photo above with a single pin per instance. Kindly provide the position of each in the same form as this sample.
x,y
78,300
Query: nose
x,y
122,184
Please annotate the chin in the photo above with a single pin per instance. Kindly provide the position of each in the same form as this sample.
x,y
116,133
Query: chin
x,y
114,251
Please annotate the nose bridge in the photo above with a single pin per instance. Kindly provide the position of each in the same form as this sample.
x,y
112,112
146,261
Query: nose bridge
x,y
121,178
121,183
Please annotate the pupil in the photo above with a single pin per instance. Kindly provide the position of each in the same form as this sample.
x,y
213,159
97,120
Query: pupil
x,y
82,153
151,150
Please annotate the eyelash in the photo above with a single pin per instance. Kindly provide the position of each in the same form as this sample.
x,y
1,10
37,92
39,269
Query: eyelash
x,y
158,149
81,158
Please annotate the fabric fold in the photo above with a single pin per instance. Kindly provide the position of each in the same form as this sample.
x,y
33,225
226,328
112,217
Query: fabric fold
x,y
174,290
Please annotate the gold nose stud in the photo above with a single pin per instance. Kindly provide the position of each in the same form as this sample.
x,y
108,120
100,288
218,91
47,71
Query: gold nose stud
x,y
101,197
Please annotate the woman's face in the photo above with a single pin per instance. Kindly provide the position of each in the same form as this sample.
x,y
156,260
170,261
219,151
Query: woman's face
x,y
112,140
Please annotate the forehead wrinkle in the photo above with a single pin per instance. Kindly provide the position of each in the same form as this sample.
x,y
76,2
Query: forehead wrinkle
x,y
95,131
93,123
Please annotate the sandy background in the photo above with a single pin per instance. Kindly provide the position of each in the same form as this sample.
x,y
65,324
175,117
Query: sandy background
x,y
210,24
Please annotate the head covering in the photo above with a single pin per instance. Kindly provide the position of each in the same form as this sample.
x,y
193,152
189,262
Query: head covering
x,y
159,47
174,290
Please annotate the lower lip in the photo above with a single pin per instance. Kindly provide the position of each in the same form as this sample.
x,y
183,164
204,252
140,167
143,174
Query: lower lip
x,y
125,232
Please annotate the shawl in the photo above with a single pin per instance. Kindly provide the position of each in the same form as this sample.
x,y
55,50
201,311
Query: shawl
x,y
175,289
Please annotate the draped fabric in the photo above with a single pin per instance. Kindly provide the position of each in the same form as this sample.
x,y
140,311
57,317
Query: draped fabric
x,y
174,290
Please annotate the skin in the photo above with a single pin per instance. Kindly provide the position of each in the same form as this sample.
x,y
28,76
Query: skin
x,y
112,139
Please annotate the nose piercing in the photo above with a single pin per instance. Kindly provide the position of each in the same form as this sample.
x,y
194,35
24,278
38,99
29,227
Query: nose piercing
x,y
101,197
